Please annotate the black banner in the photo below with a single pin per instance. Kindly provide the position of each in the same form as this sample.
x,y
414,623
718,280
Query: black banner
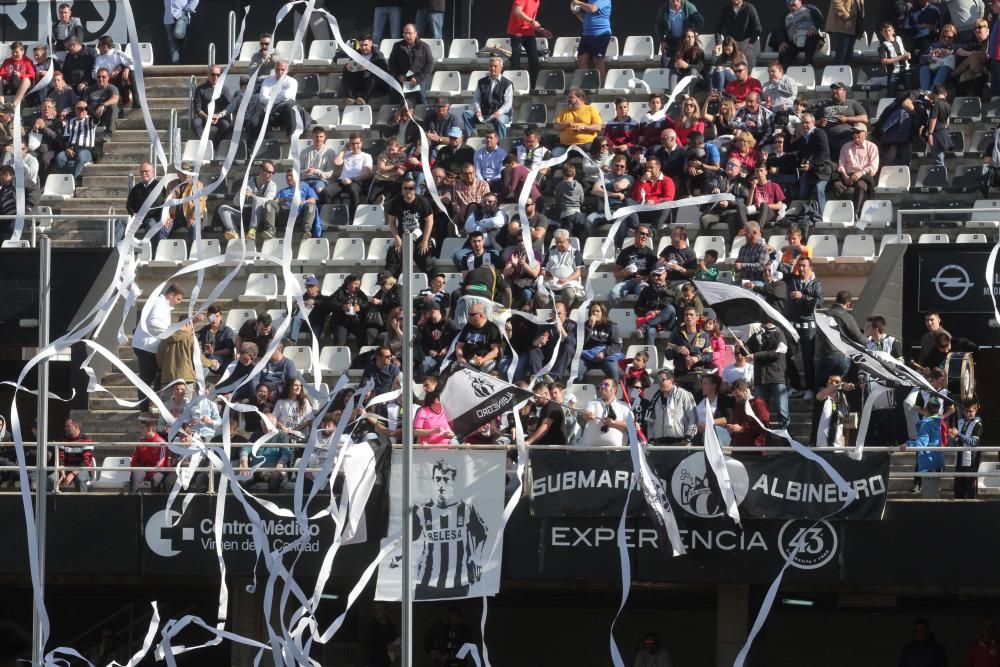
x,y
566,483
954,282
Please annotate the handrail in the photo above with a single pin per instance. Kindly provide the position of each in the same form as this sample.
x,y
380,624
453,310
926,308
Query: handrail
x,y
111,222
924,211
192,85
171,130
230,35
211,53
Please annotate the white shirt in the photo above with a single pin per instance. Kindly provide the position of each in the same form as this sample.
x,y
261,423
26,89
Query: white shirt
x,y
734,373
355,164
146,333
110,60
592,434
172,9
284,90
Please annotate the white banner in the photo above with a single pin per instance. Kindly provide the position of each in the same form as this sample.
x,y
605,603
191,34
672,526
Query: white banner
x,y
457,510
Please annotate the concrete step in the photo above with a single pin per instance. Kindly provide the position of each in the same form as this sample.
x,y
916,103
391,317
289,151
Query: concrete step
x,y
102,193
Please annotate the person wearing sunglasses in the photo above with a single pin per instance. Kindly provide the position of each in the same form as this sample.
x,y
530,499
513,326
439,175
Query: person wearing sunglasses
x,y
262,58
479,341
633,265
79,139
251,201
742,85
202,97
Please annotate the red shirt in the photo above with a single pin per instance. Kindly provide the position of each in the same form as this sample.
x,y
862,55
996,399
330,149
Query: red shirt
x,y
984,655
740,90
662,189
24,67
517,26
683,132
752,434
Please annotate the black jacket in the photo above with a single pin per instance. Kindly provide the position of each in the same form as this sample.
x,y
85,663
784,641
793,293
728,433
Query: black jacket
x,y
138,195
740,25
416,58
79,68
768,347
652,299
814,149
203,96
846,324
804,309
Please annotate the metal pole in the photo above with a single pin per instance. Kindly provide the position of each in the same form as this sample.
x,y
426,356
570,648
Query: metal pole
x,y
407,584
41,481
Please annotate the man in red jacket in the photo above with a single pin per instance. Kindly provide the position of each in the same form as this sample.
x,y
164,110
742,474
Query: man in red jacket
x,y
654,187
745,431
76,453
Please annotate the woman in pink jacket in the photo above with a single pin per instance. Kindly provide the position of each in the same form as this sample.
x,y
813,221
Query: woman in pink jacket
x,y
430,425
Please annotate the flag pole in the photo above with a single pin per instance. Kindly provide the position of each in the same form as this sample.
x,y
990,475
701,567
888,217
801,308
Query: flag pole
x,y
407,405
41,471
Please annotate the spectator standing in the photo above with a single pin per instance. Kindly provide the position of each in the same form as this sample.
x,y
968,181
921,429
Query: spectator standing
x,y
805,294
79,140
968,433
521,28
355,169
202,97
277,210
120,65
596,19
387,12
176,19
671,416
895,58
937,126
799,33
744,430
844,24
146,337
430,18
358,84
605,417
579,123
768,350
740,21
857,167
492,101
674,19
66,26
411,62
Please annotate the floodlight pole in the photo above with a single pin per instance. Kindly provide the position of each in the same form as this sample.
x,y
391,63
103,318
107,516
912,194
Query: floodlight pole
x,y
406,403
41,471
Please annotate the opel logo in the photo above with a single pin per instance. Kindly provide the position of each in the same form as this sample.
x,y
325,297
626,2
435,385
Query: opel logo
x,y
952,282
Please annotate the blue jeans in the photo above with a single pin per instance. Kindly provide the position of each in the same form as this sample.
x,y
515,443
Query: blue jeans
x,y
776,396
74,165
500,125
430,24
719,77
391,15
930,78
806,185
609,368
317,184
843,47
624,288
665,317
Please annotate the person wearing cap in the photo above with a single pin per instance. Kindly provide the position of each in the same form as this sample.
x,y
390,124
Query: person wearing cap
x,y
655,306
353,168
79,140
837,116
579,122
492,101
857,167
453,156
439,120
357,84
799,33
411,63
188,215
78,65
310,297
217,339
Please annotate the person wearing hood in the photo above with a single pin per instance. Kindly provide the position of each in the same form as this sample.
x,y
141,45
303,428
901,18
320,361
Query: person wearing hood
x,y
928,460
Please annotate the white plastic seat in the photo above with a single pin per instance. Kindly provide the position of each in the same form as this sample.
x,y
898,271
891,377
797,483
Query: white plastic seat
x,y
145,55
985,219
834,73
759,72
236,249
370,215
894,239
858,248
883,104
9,244
452,281
893,179
703,243
356,117
766,54
734,251
420,282
638,47
625,319
592,250
249,48
606,109
706,42
927,239
803,75
260,287
386,46
348,251
875,214
824,248
378,248
657,78
653,362
273,247
776,241
110,477
584,392
521,79
601,283
564,50
336,144
335,359
369,283
436,46
59,186
448,248
205,249
301,356
837,214
313,251
617,81
237,317
290,50
191,151
446,84
462,51
612,51
321,52
971,238
327,115
332,282
170,252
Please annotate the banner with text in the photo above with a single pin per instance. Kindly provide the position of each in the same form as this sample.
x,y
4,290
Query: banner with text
x,y
566,483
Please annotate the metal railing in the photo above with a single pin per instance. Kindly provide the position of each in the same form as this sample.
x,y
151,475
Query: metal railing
x,y
230,35
173,129
211,53
192,85
936,211
36,229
